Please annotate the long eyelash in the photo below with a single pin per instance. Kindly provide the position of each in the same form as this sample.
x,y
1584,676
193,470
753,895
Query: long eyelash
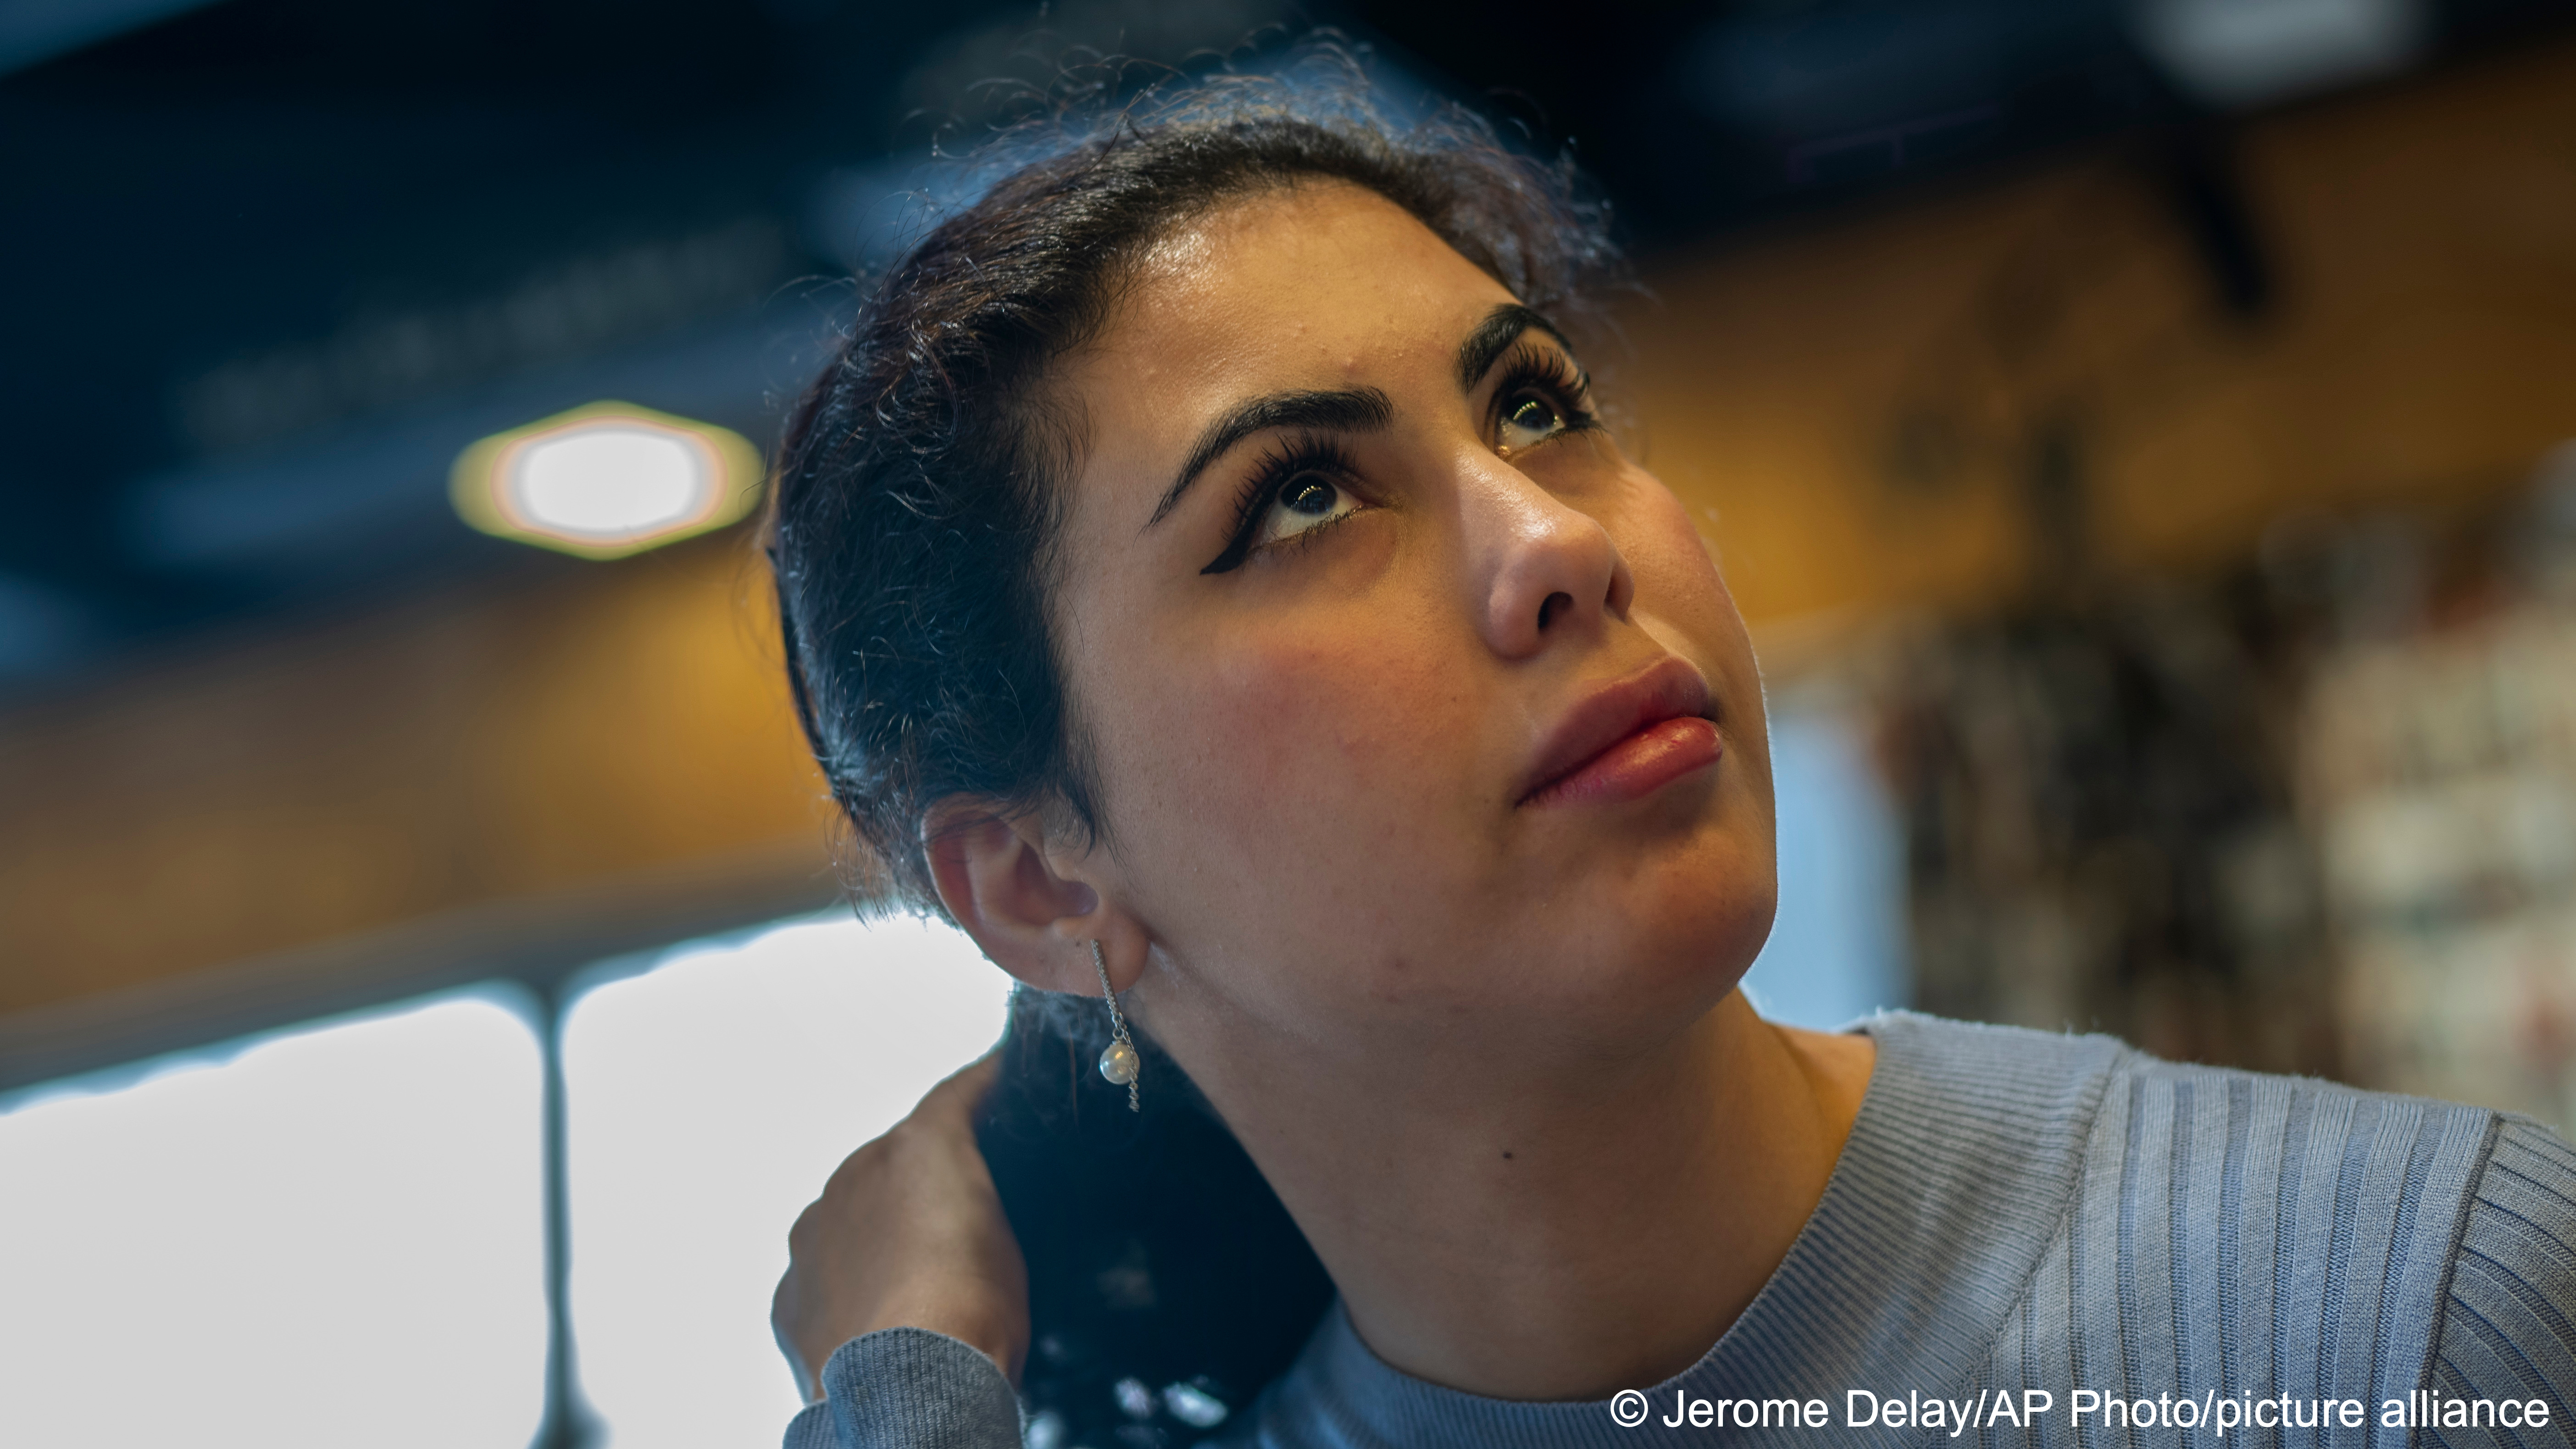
x,y
1528,367
1544,369
1290,456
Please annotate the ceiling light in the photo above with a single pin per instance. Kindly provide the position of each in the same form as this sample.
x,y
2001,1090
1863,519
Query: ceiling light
x,y
606,480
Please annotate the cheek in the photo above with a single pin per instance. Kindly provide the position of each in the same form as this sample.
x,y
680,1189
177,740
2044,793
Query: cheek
x,y
1683,599
1667,552
1286,778
1324,732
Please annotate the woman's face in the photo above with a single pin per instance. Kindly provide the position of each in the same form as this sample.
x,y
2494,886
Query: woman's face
x,y
1420,713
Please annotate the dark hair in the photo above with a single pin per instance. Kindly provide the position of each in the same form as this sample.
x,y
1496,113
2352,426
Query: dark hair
x,y
918,490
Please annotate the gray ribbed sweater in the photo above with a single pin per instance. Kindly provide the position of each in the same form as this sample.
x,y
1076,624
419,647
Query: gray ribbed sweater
x,y
2018,1214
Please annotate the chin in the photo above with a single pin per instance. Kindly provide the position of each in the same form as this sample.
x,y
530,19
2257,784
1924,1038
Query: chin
x,y
1695,929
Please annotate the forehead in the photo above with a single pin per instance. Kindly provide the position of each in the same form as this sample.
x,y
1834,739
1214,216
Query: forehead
x,y
1317,253
1318,285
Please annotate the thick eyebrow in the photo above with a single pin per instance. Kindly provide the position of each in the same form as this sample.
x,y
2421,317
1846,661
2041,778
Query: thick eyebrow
x,y
1494,336
1349,410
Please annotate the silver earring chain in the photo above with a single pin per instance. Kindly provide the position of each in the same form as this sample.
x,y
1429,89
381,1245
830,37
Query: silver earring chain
x,y
1119,1061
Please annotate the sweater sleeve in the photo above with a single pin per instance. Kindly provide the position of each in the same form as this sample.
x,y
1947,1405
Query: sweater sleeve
x,y
909,1388
2509,1323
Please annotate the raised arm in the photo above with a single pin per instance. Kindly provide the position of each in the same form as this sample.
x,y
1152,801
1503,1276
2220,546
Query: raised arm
x,y
904,1312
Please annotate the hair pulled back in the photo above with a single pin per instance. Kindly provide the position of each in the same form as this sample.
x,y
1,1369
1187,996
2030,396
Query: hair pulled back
x,y
920,480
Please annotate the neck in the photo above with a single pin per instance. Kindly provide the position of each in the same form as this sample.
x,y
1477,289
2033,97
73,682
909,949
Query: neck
x,y
1564,1241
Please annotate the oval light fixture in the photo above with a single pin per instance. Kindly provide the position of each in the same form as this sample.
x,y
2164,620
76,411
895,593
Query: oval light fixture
x,y
606,480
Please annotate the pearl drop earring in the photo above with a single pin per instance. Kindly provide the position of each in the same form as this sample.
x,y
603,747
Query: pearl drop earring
x,y
1118,1060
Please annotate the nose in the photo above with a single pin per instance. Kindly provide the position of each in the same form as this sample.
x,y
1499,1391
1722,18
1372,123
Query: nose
x,y
1548,571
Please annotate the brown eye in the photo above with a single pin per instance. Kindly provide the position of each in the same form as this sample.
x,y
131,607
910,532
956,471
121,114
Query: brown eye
x,y
1309,495
1529,419
1306,501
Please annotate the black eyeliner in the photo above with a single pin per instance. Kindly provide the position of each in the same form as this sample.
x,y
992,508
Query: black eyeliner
x,y
1528,367
1278,465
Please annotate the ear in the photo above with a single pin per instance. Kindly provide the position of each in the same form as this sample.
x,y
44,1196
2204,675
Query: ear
x,y
1034,907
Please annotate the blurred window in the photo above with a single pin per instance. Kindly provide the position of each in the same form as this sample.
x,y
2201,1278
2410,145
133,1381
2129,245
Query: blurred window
x,y
338,1230
1837,946
708,1098
322,1237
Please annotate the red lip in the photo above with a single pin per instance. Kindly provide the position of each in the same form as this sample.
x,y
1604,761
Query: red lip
x,y
1627,738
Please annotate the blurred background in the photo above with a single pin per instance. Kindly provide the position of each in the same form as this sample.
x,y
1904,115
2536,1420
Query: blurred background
x,y
2138,431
